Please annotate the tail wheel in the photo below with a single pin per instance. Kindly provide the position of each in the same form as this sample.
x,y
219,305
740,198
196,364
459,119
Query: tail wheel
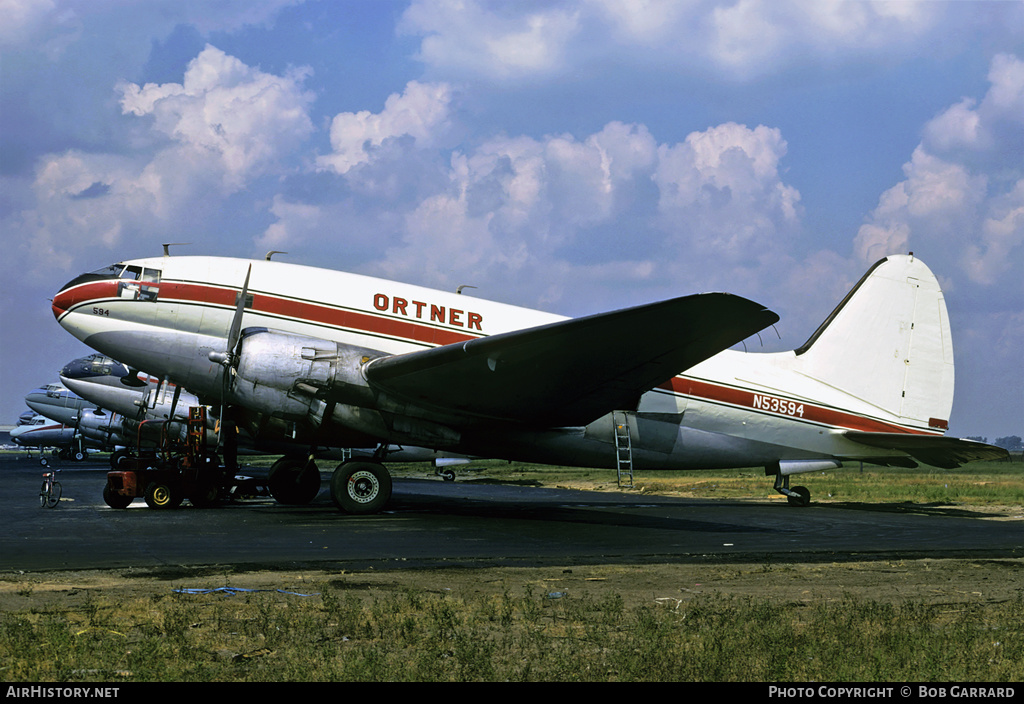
x,y
360,487
161,495
802,496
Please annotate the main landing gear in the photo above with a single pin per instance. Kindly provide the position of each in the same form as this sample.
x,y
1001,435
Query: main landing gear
x,y
358,486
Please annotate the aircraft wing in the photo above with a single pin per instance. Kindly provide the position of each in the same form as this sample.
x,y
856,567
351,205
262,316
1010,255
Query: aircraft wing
x,y
574,371
938,451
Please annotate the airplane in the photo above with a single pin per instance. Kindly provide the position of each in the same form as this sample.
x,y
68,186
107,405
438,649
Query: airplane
x,y
322,357
56,402
41,432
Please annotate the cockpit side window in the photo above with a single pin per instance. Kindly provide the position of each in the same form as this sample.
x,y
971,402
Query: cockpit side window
x,y
150,275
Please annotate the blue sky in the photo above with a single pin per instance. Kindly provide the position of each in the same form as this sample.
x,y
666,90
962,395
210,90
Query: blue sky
x,y
572,156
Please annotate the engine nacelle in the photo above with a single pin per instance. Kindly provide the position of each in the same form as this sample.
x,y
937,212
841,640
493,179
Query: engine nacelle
x,y
287,376
98,427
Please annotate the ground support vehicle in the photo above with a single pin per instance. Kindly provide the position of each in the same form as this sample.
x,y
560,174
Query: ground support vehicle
x,y
168,475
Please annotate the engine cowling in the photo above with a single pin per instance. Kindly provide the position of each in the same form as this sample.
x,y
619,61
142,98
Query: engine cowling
x,y
288,376
309,380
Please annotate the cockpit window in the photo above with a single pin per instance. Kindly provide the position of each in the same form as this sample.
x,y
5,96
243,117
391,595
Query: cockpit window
x,y
127,275
108,272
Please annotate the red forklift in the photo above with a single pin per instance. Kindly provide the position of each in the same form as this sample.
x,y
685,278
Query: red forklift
x,y
168,475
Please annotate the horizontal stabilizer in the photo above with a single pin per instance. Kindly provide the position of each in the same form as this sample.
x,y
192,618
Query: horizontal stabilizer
x,y
573,371
937,451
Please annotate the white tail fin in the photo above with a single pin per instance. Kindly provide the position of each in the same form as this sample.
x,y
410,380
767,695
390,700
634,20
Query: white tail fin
x,y
888,344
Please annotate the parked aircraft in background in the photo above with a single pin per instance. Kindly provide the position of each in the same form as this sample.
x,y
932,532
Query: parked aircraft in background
x,y
56,402
137,400
315,357
43,433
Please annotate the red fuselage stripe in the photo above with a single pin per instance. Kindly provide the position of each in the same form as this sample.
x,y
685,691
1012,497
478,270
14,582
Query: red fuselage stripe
x,y
364,322
315,313
779,406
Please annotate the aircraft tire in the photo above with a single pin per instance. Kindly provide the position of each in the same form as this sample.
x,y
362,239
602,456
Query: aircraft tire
x,y
160,495
803,498
360,487
119,457
291,482
205,496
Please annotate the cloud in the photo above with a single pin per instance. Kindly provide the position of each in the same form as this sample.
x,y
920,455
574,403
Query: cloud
x,y
542,217
964,186
422,112
223,127
499,40
226,116
296,223
512,41
721,192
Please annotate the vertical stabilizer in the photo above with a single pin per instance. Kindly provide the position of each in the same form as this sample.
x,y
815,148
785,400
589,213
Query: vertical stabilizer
x,y
888,345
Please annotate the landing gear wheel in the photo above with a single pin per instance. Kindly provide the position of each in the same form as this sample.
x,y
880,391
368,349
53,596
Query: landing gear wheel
x,y
802,498
119,458
114,499
360,487
205,496
294,481
160,495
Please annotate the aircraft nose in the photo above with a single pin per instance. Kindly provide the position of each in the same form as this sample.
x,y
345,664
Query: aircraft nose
x,y
64,299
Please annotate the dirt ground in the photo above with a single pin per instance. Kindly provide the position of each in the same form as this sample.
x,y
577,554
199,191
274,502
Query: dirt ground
x,y
939,581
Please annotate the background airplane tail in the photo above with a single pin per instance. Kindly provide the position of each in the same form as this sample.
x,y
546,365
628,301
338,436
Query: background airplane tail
x,y
888,345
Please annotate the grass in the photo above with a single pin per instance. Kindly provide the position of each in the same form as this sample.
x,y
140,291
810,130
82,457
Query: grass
x,y
414,636
978,483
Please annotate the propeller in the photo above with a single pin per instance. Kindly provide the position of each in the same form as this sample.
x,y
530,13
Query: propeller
x,y
229,359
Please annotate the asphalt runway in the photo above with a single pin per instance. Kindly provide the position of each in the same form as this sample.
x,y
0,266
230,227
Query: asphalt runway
x,y
430,522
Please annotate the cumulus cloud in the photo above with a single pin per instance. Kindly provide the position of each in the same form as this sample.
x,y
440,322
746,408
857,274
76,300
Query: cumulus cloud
x,y
224,126
964,185
422,113
227,116
546,215
721,192
295,224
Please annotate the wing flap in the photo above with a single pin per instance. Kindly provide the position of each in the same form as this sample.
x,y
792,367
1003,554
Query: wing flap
x,y
937,451
570,372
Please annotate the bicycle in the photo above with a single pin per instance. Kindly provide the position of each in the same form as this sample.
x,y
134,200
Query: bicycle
x,y
49,494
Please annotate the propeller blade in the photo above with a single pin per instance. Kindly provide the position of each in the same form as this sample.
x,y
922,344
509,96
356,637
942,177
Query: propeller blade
x,y
227,357
227,360
236,323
